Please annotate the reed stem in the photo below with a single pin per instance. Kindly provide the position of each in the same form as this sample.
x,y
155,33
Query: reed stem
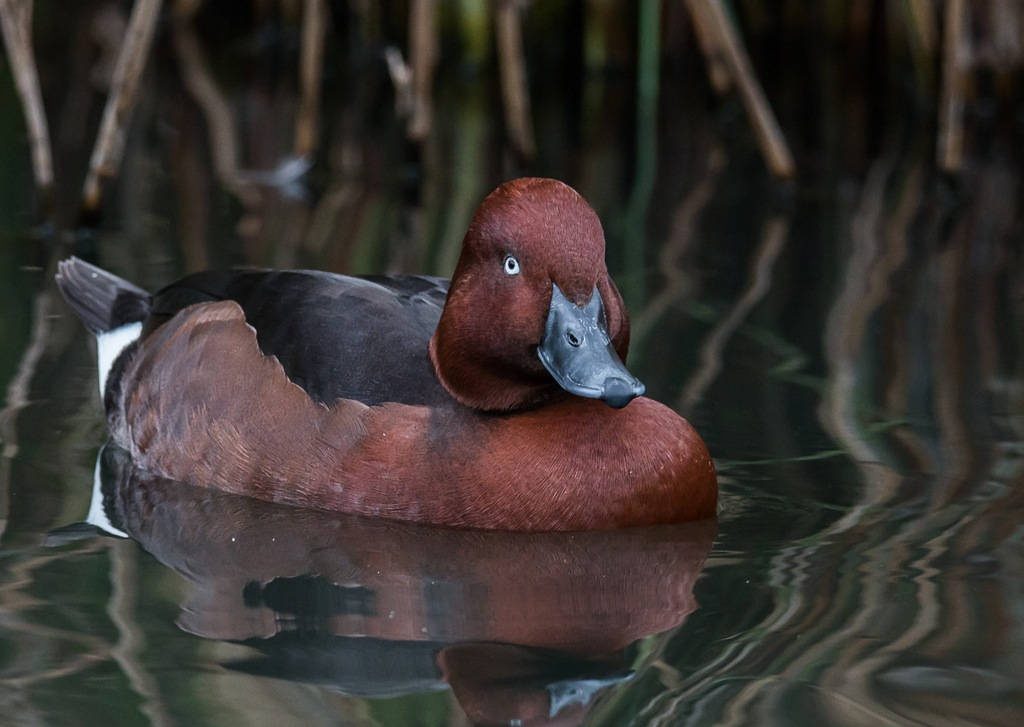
x,y
423,44
124,86
307,123
724,38
512,64
16,24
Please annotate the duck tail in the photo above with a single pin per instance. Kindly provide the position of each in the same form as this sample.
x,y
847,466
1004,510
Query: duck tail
x,y
109,306
102,300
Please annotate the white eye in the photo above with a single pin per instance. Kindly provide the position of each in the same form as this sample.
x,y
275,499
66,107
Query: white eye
x,y
511,265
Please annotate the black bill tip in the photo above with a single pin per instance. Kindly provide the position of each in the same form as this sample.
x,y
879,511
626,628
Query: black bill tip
x,y
619,392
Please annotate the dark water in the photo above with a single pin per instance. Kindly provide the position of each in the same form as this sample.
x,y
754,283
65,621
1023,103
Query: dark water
x,y
850,347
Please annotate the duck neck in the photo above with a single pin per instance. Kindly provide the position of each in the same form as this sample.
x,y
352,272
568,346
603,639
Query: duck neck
x,y
487,386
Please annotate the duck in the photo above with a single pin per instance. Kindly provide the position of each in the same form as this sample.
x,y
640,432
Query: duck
x,y
497,399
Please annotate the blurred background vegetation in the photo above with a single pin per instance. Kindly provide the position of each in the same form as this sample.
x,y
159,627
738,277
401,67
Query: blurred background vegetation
x,y
814,211
307,113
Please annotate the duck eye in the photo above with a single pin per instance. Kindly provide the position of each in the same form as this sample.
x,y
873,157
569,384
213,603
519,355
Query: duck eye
x,y
511,265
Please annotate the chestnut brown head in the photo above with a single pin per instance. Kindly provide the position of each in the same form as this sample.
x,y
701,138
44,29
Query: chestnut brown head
x,y
532,311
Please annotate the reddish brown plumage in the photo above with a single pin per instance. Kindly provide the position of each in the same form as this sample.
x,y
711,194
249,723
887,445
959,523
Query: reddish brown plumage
x,y
200,403
203,405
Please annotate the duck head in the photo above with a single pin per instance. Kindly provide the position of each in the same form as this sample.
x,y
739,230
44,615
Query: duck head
x,y
531,310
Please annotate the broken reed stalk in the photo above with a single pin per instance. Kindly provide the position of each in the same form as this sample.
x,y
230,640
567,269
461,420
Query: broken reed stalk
x,y
728,46
718,70
423,44
512,65
124,86
16,24
950,150
307,123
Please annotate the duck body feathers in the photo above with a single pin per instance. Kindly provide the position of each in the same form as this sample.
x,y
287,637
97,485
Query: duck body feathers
x,y
201,403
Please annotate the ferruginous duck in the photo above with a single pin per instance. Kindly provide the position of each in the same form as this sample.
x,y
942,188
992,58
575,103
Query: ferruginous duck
x,y
499,400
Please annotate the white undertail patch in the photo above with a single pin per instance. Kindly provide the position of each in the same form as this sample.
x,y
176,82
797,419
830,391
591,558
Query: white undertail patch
x,y
109,346
97,514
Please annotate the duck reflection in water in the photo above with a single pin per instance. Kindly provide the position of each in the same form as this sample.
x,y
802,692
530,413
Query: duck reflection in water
x,y
527,627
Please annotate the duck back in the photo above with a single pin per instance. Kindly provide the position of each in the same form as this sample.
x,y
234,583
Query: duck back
x,y
337,337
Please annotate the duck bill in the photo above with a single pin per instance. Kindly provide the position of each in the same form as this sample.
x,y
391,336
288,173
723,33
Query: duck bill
x,y
578,353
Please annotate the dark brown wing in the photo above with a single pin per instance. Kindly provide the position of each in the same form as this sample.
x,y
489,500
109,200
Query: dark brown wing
x,y
336,336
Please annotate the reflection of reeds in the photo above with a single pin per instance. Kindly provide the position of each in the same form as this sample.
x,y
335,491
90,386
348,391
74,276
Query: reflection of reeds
x,y
127,652
30,664
674,254
951,111
959,458
44,652
772,241
898,363
867,600
865,288
845,338
18,397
